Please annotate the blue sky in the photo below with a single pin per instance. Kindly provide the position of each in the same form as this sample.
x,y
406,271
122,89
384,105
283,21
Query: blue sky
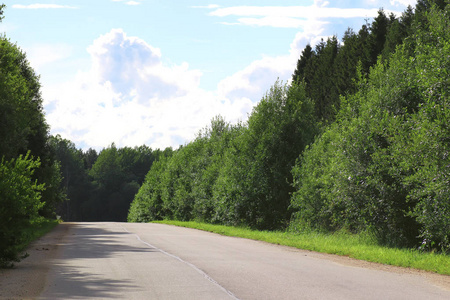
x,y
155,72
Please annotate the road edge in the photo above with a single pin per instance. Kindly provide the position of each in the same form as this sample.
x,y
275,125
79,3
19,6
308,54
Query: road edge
x,y
28,278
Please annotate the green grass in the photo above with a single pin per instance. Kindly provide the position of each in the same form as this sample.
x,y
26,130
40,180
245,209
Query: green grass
x,y
361,246
35,230
24,235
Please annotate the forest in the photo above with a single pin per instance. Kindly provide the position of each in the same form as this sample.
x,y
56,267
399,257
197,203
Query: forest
x,y
358,140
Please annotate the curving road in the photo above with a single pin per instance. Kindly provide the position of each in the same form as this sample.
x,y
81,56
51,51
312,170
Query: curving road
x,y
154,261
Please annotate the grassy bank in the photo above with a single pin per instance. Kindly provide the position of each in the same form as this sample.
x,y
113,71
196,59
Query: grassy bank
x,y
361,247
24,236
35,230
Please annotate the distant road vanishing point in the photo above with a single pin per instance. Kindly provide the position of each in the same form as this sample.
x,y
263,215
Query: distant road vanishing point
x,y
155,261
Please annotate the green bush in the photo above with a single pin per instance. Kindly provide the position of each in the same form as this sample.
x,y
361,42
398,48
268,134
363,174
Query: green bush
x,y
19,204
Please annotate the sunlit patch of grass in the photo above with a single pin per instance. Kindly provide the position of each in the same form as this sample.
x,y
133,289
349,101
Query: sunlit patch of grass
x,y
358,246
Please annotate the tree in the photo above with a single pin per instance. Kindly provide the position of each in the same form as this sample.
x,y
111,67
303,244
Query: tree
x,y
148,204
383,166
89,158
253,187
19,204
377,37
2,7
75,181
303,64
116,176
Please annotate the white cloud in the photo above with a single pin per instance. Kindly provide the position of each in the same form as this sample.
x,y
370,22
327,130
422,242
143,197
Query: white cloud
x,y
251,83
404,2
42,6
45,54
132,3
130,97
321,3
210,6
130,64
289,16
254,80
312,11
311,34
273,21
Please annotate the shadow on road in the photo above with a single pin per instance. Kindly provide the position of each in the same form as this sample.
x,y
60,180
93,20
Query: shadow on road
x,y
86,268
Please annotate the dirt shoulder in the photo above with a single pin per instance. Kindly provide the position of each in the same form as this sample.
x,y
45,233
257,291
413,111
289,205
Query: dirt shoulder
x,y
28,278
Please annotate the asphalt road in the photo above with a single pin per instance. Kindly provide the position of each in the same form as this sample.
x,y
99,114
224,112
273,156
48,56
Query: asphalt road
x,y
154,261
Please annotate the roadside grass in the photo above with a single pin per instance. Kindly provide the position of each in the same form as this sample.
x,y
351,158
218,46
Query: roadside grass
x,y
25,235
35,230
361,246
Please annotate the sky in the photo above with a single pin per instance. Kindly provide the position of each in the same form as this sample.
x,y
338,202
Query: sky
x,y
155,72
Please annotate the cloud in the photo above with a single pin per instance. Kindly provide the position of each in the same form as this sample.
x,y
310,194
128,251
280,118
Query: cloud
x,y
130,97
42,55
132,65
273,21
251,83
132,3
404,2
289,16
43,6
254,80
210,6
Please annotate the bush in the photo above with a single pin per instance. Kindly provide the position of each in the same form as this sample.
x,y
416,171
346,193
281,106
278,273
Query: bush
x,y
19,204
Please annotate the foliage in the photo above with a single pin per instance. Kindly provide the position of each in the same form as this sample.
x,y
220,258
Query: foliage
x,y
100,187
19,203
23,135
111,182
253,188
234,174
147,204
180,185
331,69
22,123
2,6
383,166
75,182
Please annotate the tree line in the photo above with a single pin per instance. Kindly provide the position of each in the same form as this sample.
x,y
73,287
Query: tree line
x,y
358,141
100,186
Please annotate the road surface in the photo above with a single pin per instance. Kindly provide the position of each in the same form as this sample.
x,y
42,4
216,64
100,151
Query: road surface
x,y
154,261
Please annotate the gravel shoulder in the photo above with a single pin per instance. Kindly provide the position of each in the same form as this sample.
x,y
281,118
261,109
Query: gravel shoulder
x,y
28,278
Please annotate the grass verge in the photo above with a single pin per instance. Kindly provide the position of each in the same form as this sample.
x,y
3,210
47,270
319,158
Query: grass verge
x,y
22,237
35,230
356,246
